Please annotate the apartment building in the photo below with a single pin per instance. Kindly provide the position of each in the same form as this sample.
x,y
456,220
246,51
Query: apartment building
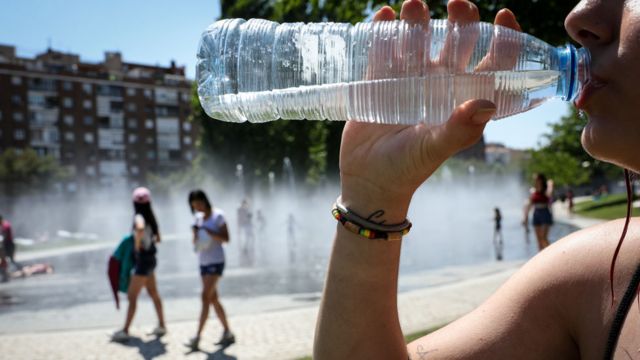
x,y
110,123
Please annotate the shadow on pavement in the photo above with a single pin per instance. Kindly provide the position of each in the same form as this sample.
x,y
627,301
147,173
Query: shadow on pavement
x,y
149,349
216,355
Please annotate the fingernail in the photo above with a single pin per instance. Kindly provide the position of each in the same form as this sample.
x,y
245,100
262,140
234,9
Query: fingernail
x,y
483,115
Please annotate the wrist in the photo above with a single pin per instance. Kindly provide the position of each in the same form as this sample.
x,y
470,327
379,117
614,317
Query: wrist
x,y
369,201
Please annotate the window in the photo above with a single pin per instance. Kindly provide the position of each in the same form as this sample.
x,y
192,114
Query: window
x,y
148,94
67,103
87,104
18,134
185,97
16,80
133,138
132,107
90,170
72,186
36,99
134,170
132,123
151,154
68,120
131,92
88,138
69,136
88,120
67,86
149,141
163,155
18,117
16,100
133,155
87,89
117,122
54,136
148,124
186,126
187,140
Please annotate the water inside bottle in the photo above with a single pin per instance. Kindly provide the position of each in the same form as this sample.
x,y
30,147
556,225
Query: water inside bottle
x,y
430,99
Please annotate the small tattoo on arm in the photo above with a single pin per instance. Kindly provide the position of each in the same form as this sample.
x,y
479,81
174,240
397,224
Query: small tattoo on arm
x,y
375,216
421,353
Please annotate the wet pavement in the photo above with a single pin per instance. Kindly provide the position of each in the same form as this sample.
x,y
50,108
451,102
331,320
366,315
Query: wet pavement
x,y
80,278
449,231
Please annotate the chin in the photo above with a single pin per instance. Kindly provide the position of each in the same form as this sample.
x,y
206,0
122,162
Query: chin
x,y
607,144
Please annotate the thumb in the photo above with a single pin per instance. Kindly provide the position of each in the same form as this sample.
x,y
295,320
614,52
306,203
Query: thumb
x,y
462,130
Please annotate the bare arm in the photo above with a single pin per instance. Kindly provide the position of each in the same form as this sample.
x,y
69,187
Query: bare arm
x,y
525,216
138,232
358,315
222,236
381,167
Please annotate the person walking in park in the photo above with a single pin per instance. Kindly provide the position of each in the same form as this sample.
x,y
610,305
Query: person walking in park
x,y
246,236
209,234
498,240
540,202
146,235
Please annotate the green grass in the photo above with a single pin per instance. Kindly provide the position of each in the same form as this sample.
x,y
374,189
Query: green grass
x,y
607,207
408,338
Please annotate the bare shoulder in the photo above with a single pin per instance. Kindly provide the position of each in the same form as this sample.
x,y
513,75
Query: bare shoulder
x,y
556,306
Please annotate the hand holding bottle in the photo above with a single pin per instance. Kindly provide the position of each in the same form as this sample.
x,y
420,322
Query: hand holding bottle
x,y
382,165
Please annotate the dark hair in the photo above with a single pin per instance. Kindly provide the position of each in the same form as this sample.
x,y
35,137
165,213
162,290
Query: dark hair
x,y
144,209
543,180
198,195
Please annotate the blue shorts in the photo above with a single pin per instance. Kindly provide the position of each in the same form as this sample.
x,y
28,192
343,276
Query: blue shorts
x,y
212,269
542,217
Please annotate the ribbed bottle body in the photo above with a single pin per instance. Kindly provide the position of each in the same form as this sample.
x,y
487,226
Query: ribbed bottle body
x,y
383,72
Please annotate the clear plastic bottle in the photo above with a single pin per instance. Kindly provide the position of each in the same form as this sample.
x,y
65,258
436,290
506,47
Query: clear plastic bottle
x,y
389,72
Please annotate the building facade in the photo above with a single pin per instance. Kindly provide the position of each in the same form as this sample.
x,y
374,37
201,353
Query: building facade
x,y
109,123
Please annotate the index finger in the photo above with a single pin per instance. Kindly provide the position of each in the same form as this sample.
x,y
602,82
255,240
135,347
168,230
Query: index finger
x,y
505,49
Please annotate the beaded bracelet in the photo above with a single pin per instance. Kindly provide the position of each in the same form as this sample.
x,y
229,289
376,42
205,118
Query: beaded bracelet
x,y
349,224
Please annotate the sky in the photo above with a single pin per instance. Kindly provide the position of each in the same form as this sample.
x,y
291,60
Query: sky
x,y
170,30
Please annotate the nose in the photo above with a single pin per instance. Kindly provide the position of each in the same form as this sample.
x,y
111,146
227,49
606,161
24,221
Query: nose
x,y
589,23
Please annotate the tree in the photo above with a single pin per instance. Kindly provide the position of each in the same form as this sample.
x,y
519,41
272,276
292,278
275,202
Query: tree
x,y
312,146
563,158
26,172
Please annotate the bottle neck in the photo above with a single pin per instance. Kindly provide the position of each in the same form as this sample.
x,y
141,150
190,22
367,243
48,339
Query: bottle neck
x,y
575,71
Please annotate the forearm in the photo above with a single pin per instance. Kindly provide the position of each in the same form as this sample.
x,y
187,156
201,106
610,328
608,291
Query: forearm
x,y
525,216
358,316
219,238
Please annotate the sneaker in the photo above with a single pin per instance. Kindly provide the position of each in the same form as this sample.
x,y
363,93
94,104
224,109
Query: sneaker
x,y
227,338
193,343
159,331
120,336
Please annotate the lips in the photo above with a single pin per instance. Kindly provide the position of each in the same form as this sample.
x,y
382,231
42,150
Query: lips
x,y
588,90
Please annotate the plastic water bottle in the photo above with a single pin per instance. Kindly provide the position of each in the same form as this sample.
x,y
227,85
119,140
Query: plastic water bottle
x,y
390,72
